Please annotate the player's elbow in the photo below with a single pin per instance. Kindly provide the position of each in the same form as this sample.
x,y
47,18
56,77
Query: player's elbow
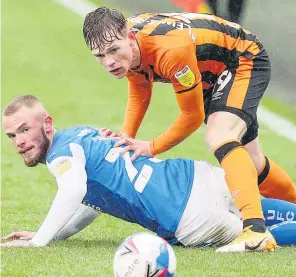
x,y
201,117
198,119
145,103
79,191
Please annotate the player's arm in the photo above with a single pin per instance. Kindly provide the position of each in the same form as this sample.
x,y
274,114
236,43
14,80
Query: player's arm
x,y
139,95
71,179
83,216
180,66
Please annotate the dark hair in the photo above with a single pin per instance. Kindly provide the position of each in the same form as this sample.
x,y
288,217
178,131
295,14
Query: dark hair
x,y
102,26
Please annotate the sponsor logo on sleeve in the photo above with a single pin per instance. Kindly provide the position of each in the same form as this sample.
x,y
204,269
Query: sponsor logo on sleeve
x,y
64,166
185,77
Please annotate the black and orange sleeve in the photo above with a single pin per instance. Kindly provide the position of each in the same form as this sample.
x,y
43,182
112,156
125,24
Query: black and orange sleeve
x,y
139,95
180,66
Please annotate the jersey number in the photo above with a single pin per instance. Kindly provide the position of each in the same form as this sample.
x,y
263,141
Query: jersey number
x,y
145,173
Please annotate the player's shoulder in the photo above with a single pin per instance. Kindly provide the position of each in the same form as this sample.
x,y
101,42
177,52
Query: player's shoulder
x,y
67,147
139,19
77,131
64,141
155,32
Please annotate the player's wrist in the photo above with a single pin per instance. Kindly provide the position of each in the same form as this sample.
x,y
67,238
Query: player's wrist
x,y
32,243
152,148
36,242
125,135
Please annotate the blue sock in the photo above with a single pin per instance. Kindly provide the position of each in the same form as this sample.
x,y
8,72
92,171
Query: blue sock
x,y
284,233
276,211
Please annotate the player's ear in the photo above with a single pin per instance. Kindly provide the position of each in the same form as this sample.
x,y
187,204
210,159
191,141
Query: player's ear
x,y
131,35
48,126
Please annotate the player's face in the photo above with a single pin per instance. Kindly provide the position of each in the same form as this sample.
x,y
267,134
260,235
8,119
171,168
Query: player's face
x,y
117,57
27,134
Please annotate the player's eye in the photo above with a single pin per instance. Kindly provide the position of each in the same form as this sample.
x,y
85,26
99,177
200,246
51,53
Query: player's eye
x,y
113,50
11,136
26,129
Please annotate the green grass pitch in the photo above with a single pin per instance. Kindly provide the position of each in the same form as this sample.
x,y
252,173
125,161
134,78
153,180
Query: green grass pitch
x,y
43,53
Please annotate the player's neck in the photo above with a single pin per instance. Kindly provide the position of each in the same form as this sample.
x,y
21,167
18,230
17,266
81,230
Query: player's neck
x,y
51,137
136,63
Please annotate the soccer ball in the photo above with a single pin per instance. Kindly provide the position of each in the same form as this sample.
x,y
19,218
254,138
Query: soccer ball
x,y
144,255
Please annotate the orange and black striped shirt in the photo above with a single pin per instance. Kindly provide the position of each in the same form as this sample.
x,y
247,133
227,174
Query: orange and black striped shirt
x,y
189,51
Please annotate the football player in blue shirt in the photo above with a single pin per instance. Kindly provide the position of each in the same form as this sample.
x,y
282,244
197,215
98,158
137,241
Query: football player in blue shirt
x,y
186,202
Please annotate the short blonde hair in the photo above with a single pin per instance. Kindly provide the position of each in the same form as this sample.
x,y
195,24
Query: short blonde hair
x,y
18,102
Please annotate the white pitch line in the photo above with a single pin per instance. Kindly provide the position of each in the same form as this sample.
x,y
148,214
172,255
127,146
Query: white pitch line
x,y
276,123
80,7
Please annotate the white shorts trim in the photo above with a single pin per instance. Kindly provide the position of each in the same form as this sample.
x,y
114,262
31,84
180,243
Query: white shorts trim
x,y
210,216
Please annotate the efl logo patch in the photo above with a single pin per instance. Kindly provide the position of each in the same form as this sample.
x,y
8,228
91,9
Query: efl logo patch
x,y
63,167
185,77
235,194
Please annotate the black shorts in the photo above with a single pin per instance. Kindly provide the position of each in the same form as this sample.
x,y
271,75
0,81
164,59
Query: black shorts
x,y
239,90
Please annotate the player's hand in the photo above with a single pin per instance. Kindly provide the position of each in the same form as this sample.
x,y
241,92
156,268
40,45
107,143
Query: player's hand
x,y
105,132
140,147
23,235
17,243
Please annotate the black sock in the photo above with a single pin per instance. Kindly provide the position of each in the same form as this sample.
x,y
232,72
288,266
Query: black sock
x,y
258,224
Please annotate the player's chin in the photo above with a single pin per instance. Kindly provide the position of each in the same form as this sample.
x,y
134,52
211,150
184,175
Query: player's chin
x,y
31,162
120,75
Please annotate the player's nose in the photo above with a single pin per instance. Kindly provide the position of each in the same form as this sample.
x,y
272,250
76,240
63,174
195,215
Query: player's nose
x,y
109,62
20,141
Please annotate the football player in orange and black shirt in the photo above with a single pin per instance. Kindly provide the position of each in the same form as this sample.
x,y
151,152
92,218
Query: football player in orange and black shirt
x,y
219,72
